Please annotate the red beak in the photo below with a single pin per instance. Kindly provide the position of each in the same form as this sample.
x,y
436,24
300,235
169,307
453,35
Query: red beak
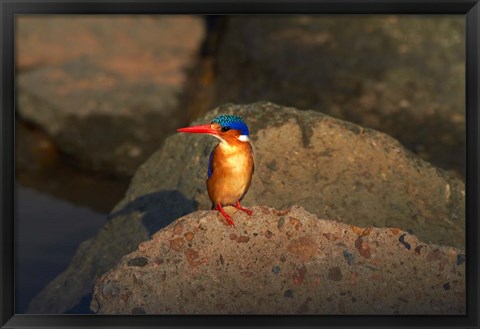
x,y
203,129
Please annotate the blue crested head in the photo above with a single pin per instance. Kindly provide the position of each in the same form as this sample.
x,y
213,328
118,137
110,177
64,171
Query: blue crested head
x,y
229,121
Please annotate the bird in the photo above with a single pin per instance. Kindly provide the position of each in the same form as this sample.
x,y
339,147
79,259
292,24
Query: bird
x,y
231,162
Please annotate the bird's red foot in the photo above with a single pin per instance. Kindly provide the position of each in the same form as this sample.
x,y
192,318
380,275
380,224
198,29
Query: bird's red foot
x,y
227,217
238,206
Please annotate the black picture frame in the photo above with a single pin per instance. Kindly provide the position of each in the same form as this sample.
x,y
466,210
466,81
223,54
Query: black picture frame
x,y
8,10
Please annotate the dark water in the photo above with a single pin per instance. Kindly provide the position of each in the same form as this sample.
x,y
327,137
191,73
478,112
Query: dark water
x,y
57,207
48,231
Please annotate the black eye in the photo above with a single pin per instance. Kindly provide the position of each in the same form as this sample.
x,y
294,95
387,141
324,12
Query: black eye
x,y
224,129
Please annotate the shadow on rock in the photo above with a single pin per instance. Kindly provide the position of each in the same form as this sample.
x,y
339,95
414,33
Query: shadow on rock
x,y
438,138
159,209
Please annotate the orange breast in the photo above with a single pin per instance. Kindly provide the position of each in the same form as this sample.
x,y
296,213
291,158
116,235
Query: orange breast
x,y
232,170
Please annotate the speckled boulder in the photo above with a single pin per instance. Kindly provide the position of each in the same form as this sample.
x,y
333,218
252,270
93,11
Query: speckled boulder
x,y
282,262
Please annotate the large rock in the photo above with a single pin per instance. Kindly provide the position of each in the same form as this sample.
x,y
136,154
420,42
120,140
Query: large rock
x,y
334,169
107,90
402,75
282,262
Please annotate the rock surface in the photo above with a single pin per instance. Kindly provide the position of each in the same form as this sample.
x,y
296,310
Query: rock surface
x,y
332,168
402,75
335,169
282,262
102,88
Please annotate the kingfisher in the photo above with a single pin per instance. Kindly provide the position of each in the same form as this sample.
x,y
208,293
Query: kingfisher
x,y
230,166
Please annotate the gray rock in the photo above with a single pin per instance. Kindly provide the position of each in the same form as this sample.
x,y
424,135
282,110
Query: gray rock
x,y
332,168
282,262
107,107
402,75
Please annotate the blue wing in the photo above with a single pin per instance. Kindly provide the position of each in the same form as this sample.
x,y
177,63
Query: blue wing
x,y
210,169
